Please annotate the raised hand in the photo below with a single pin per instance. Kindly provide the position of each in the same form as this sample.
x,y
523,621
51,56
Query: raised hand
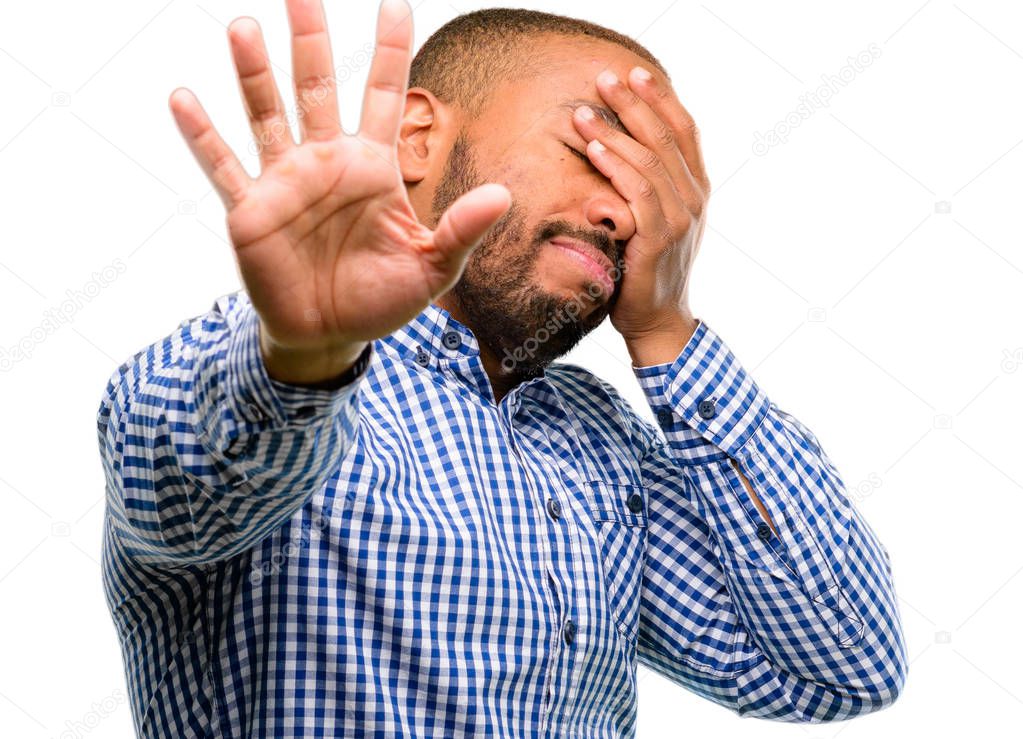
x,y
328,246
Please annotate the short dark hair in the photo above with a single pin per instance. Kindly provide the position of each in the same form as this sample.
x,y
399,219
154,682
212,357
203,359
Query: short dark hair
x,y
468,56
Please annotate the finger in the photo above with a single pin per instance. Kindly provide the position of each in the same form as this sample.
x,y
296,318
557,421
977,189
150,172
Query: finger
x,y
464,224
639,157
259,91
661,98
653,229
313,68
221,166
653,132
384,99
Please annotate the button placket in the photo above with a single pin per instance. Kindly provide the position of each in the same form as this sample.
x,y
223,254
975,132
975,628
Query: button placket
x,y
561,541
545,546
551,675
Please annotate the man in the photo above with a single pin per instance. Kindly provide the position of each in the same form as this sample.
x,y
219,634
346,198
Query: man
x,y
358,498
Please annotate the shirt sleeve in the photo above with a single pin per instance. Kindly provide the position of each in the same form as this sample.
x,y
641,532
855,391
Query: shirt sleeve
x,y
203,453
798,626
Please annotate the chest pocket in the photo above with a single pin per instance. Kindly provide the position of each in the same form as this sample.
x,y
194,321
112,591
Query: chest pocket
x,y
619,515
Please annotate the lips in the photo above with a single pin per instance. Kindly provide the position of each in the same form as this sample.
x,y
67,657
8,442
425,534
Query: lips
x,y
591,259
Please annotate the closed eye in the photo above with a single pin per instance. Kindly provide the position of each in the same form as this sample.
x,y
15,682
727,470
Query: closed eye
x,y
579,154
585,158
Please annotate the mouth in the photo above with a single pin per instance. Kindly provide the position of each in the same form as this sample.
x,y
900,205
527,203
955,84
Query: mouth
x,y
593,261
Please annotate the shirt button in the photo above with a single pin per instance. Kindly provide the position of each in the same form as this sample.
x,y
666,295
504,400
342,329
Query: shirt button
x,y
553,509
635,502
305,411
452,339
764,531
707,409
569,631
422,358
664,417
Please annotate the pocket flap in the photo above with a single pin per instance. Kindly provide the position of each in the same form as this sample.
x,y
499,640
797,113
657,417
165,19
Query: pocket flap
x,y
623,503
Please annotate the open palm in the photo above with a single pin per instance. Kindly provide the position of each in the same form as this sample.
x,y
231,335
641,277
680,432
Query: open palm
x,y
328,246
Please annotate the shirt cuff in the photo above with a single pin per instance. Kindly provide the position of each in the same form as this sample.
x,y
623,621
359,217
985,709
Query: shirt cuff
x,y
258,398
704,397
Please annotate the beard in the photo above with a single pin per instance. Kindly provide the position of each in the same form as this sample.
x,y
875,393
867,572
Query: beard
x,y
523,325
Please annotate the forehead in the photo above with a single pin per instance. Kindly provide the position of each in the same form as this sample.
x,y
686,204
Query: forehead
x,y
565,77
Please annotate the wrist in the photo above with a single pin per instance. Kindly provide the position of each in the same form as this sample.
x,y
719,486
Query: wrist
x,y
324,368
663,343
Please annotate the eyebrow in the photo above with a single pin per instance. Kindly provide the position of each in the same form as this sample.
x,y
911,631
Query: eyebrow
x,y
606,114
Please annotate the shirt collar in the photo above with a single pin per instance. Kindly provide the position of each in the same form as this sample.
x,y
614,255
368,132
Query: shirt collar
x,y
437,334
434,339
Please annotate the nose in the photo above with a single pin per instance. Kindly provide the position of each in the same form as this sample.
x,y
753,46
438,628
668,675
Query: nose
x,y
606,209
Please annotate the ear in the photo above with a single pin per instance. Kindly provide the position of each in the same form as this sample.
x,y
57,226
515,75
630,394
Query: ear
x,y
422,124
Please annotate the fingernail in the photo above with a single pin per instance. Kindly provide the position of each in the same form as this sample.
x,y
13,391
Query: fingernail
x,y
586,112
642,75
609,77
599,147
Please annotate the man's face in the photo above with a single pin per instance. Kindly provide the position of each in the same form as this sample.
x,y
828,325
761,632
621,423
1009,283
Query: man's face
x,y
549,272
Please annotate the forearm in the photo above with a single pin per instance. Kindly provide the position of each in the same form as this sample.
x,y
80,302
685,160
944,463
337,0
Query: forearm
x,y
797,556
204,454
662,347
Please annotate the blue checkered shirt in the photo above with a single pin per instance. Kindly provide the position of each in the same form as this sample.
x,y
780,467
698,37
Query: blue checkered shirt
x,y
405,557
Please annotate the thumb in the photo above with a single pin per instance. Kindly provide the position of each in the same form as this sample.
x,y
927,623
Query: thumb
x,y
464,224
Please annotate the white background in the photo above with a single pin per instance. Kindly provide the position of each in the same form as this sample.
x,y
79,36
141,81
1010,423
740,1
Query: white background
x,y
888,326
